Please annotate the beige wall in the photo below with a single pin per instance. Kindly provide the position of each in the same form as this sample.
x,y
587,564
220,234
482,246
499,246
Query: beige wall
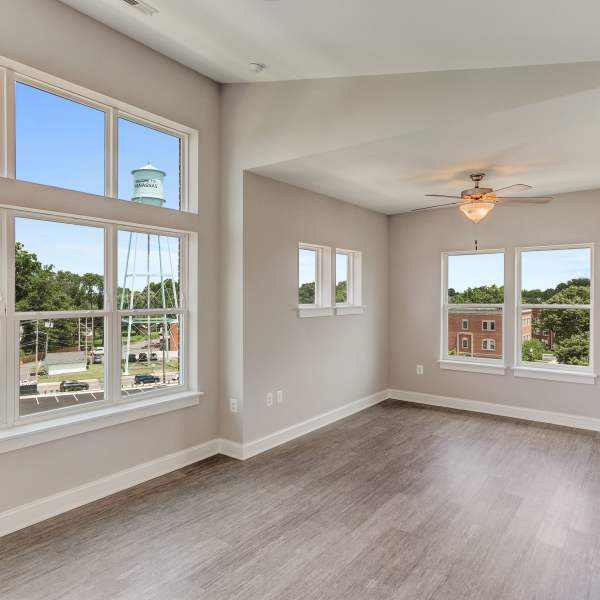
x,y
416,241
48,35
320,363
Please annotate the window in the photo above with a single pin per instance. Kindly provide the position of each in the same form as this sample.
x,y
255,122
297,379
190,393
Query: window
x,y
314,281
348,282
488,344
149,165
95,324
59,142
555,289
488,325
473,294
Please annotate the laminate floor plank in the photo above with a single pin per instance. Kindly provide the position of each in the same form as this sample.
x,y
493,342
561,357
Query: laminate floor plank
x,y
398,502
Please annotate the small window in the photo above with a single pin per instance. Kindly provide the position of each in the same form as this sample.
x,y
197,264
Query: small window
x,y
474,295
342,287
59,142
314,280
348,282
149,165
488,344
555,289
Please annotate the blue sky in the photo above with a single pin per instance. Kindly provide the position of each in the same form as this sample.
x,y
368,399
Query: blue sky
x,y
61,143
307,265
540,269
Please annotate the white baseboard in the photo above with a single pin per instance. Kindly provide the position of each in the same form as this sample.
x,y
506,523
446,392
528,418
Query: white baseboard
x,y
50,506
503,410
249,449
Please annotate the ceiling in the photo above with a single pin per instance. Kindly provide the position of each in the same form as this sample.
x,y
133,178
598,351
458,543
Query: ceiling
x,y
303,39
539,144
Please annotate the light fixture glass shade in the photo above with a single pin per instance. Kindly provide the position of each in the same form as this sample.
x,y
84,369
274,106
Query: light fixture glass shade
x,y
475,211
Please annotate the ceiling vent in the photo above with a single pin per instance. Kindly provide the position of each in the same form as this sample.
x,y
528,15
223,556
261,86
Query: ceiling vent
x,y
143,7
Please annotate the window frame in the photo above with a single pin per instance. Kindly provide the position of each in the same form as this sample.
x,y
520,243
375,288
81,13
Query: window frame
x,y
39,201
12,72
565,373
323,281
354,304
492,366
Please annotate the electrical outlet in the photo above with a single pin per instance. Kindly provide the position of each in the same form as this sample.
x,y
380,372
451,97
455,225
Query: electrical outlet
x,y
233,405
279,396
420,370
270,399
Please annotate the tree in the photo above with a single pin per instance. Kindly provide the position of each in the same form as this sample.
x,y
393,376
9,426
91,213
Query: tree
x,y
533,350
306,293
341,292
574,350
566,322
485,294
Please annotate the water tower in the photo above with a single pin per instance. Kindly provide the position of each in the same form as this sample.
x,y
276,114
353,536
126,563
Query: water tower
x,y
140,272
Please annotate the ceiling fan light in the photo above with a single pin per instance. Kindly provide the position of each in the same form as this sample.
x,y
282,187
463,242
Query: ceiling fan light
x,y
476,211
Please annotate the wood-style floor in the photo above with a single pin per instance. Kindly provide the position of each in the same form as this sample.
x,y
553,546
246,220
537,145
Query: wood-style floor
x,y
397,502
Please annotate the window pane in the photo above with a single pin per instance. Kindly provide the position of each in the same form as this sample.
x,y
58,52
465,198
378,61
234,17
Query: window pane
x,y
476,333
307,269
149,271
59,142
61,363
556,336
155,157
59,266
341,278
151,353
556,276
476,278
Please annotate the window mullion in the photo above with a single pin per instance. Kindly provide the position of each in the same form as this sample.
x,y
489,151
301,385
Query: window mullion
x,y
11,347
113,342
110,153
9,128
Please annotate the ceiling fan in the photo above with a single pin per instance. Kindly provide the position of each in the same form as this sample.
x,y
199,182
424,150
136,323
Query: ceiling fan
x,y
477,202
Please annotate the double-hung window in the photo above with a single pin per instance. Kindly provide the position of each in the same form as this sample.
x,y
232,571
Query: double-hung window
x,y
314,280
473,294
95,316
554,313
348,282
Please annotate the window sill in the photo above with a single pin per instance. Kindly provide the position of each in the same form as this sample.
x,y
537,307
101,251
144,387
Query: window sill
x,y
473,367
349,310
314,311
31,434
565,375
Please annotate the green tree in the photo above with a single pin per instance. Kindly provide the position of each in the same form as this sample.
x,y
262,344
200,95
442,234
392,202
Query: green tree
x,y
574,350
485,294
306,293
533,350
566,322
341,292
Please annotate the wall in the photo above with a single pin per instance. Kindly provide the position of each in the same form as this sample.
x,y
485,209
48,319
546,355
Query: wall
x,y
52,37
320,363
416,241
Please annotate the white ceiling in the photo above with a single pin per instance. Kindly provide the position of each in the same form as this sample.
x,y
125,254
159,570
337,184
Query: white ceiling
x,y
302,39
552,145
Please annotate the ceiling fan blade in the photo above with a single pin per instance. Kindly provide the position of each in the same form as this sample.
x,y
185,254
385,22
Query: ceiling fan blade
x,y
518,187
524,200
441,196
436,206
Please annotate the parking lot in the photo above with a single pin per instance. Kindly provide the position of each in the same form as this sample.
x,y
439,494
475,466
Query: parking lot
x,y
29,405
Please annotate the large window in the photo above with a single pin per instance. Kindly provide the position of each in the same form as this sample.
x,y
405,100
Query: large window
x,y
555,308
95,317
473,308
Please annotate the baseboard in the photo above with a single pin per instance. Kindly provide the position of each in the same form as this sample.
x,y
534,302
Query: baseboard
x,y
50,506
250,449
231,449
503,410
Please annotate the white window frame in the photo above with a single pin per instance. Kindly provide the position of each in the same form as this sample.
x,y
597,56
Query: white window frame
x,y
463,326
564,373
42,202
491,366
354,304
323,282
488,344
12,72
488,325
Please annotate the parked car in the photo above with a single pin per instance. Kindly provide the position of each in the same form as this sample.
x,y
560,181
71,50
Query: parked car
x,y
97,359
132,358
72,385
142,357
99,350
28,389
153,356
142,378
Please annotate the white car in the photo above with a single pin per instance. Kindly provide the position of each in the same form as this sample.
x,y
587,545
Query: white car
x,y
99,351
